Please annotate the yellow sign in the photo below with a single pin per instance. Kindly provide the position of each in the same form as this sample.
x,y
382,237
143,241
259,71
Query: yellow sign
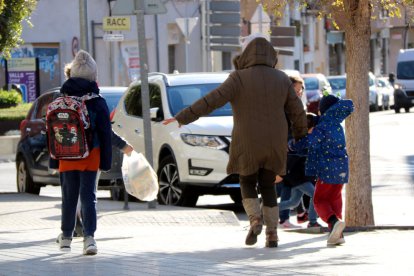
x,y
116,23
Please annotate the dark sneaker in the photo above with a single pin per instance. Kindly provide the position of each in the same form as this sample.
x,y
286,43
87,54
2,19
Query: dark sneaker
x,y
336,233
64,242
314,224
301,218
89,246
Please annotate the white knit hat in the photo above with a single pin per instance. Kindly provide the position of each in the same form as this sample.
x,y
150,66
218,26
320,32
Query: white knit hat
x,y
247,39
83,66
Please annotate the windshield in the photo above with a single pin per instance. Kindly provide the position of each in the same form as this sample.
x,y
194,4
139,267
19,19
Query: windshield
x,y
182,96
111,100
311,83
405,70
337,84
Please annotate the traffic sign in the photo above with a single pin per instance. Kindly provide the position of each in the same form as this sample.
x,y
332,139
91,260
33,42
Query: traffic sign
x,y
113,37
154,7
186,25
128,7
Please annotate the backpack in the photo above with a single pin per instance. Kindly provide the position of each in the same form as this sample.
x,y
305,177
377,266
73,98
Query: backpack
x,y
68,127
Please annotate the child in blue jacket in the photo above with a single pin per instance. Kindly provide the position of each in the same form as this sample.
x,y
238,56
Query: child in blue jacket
x,y
300,183
328,161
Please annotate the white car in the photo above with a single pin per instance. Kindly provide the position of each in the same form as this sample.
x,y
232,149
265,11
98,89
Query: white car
x,y
375,97
338,84
191,160
387,91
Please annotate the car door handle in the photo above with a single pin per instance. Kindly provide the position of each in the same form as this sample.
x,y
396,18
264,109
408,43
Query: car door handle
x,y
118,125
137,131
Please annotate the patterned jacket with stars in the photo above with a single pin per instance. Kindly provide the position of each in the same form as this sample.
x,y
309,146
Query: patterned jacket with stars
x,y
327,156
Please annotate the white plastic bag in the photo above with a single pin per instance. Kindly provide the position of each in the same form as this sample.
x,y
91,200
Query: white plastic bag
x,y
140,179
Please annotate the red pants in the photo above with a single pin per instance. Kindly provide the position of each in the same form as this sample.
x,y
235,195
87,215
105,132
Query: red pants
x,y
328,200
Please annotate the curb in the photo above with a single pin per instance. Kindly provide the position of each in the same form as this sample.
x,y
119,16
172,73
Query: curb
x,y
350,229
7,158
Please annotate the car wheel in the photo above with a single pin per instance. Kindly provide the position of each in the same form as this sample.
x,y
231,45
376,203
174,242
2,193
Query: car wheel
x,y
24,181
171,192
407,109
396,108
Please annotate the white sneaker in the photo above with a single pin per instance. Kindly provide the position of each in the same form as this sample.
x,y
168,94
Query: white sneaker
x,y
89,246
341,240
64,243
336,233
288,225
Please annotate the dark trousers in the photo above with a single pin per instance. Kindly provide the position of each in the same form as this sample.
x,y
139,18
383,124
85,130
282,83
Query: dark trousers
x,y
284,192
264,180
75,184
328,200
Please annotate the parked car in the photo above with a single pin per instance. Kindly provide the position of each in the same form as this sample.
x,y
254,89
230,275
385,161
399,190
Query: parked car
x,y
404,83
315,84
385,88
375,97
338,85
32,155
191,160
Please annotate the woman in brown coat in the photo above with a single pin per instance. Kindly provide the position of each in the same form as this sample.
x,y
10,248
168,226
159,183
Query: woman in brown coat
x,y
259,95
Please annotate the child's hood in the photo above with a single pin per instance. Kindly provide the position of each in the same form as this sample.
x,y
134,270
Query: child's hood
x,y
338,112
79,87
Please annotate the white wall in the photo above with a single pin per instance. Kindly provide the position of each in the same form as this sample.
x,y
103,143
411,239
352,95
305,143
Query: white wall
x,y
58,21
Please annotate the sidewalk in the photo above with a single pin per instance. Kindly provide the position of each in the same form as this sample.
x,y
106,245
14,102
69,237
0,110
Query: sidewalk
x,y
186,241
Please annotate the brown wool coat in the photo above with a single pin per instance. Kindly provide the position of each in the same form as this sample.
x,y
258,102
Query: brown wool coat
x,y
259,95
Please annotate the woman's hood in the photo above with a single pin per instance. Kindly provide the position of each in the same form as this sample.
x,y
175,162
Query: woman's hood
x,y
258,52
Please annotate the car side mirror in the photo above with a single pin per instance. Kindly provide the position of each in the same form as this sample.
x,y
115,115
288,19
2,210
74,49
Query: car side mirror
x,y
155,114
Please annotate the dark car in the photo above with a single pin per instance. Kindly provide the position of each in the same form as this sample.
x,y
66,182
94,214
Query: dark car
x,y
32,156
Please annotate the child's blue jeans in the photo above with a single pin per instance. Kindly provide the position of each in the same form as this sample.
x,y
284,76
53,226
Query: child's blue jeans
x,y
297,192
75,184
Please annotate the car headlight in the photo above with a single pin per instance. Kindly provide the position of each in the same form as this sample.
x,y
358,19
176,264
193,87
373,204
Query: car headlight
x,y
213,142
399,86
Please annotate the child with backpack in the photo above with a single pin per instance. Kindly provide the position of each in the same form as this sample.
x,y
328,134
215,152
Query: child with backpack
x,y
87,151
328,161
296,179
117,142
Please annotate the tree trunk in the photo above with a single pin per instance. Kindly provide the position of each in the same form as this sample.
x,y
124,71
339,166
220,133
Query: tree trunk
x,y
358,211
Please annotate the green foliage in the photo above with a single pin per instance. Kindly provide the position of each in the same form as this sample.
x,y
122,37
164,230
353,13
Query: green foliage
x,y
12,13
133,103
9,98
18,112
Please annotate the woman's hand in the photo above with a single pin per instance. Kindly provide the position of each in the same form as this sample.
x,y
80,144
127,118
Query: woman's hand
x,y
278,179
170,120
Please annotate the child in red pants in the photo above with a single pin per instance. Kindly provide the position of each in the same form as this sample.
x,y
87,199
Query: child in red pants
x,y
328,160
